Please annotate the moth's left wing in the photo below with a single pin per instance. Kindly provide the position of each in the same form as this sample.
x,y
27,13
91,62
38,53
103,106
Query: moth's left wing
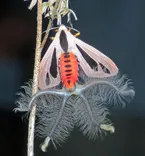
x,y
104,66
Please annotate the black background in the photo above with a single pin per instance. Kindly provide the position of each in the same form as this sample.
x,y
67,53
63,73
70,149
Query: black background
x,y
117,28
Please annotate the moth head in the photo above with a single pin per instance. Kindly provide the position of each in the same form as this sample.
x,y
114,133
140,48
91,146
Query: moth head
x,y
62,27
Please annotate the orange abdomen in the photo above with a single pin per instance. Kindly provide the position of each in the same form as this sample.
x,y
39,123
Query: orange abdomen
x,y
68,65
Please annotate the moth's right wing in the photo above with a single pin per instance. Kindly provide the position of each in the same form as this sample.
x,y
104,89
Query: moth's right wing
x,y
49,75
105,67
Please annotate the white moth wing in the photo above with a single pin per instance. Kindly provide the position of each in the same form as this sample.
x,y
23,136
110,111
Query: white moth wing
x,y
45,67
98,57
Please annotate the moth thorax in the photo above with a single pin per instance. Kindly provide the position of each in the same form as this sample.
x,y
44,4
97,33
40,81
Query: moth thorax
x,y
68,65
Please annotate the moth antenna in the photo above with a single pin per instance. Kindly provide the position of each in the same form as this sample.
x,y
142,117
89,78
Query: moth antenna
x,y
73,29
77,34
50,29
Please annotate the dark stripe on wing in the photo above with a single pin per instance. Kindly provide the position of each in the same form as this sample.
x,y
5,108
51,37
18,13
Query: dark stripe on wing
x,y
53,67
105,70
47,80
63,41
89,60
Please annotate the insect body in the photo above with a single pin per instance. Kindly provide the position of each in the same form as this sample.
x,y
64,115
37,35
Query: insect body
x,y
61,60
68,65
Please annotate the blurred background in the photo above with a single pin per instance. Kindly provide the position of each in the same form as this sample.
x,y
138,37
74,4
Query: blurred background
x,y
117,28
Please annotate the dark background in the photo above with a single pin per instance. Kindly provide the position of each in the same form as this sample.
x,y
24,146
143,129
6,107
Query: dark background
x,y
115,27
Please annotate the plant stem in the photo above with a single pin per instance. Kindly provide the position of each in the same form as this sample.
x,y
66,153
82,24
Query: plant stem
x,y
31,126
50,22
39,46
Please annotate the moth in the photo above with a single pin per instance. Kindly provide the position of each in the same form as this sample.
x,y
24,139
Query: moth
x,y
64,58
67,61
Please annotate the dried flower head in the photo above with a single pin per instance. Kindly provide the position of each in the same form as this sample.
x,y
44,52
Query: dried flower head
x,y
49,10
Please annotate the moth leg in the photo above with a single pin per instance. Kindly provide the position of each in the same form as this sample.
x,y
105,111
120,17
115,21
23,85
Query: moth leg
x,y
45,92
77,34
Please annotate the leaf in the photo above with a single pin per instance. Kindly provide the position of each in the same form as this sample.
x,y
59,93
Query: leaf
x,y
32,4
